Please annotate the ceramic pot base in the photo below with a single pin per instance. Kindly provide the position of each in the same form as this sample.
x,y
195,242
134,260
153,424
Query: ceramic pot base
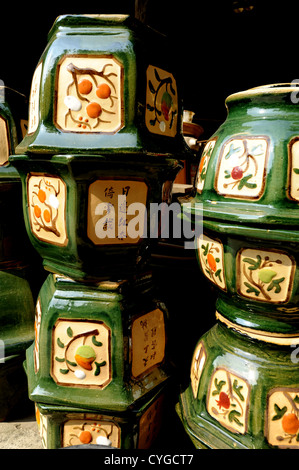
x,y
102,346
136,428
243,393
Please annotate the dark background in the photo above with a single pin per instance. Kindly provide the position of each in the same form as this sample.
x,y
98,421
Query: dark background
x,y
221,46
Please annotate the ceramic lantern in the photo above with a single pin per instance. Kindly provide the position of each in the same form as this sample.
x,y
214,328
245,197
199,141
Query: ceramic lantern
x,y
244,379
104,84
106,355
103,146
62,427
89,217
104,137
101,368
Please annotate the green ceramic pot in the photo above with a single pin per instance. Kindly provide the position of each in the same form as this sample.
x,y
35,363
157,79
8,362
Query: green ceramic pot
x,y
16,309
243,369
243,392
81,212
248,169
101,347
137,428
246,192
104,84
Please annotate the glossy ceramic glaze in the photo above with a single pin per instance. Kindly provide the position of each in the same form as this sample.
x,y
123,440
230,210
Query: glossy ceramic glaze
x,y
244,376
242,393
249,245
95,133
68,427
247,172
98,347
104,84
16,309
66,200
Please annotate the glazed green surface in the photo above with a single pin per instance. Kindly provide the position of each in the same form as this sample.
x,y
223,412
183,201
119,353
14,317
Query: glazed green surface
x,y
265,368
80,258
116,307
135,47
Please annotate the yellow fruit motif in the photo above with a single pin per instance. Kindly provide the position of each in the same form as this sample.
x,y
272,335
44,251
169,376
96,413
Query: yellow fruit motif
x,y
266,275
85,356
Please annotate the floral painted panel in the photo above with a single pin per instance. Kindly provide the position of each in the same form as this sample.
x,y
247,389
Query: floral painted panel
x,y
294,169
90,431
161,113
203,165
264,275
228,400
89,94
47,208
197,365
81,353
211,256
282,418
242,165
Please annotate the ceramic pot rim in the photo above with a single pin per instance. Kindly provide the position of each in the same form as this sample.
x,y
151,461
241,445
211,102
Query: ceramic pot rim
x,y
261,335
269,89
258,227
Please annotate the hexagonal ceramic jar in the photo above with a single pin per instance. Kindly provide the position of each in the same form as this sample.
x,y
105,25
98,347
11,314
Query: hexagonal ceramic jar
x,y
89,218
244,377
104,84
247,186
97,348
243,392
104,132
138,428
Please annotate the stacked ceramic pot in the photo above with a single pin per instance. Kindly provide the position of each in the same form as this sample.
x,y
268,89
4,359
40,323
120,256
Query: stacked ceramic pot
x,y
244,379
16,263
103,144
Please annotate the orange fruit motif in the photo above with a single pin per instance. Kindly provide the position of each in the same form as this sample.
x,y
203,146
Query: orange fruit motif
x,y
202,161
103,91
85,87
93,110
41,195
47,216
290,423
85,437
37,211
211,262
86,363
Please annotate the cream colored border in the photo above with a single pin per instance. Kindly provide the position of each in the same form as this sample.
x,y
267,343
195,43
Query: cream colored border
x,y
273,338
